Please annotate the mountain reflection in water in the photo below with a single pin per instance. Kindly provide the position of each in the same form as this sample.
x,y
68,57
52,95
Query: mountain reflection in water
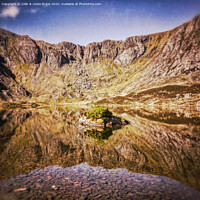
x,y
37,138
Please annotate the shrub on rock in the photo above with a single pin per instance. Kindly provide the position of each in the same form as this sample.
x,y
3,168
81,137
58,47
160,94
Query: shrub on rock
x,y
99,112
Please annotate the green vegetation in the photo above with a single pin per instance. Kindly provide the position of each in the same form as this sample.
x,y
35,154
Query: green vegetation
x,y
99,112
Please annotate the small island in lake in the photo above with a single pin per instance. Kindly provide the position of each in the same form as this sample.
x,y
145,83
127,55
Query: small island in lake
x,y
100,116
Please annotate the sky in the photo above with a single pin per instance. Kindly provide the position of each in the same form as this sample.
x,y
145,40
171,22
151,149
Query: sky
x,y
75,22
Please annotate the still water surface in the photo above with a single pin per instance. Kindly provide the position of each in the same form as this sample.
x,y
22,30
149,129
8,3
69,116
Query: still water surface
x,y
45,153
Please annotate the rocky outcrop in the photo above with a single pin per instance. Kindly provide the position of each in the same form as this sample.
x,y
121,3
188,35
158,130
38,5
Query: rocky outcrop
x,y
27,49
102,122
62,53
71,51
19,48
107,49
131,49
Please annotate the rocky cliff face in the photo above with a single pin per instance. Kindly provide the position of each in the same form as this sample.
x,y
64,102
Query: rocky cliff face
x,y
109,68
60,54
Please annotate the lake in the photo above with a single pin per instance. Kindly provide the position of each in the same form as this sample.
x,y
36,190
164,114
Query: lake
x,y
46,153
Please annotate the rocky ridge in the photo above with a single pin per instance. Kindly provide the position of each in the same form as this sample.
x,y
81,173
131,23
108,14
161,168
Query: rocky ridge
x,y
68,72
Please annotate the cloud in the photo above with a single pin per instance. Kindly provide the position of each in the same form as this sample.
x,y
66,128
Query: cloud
x,y
33,11
11,11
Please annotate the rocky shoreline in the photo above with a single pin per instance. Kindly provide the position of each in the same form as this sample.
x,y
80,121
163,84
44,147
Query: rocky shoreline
x,y
86,182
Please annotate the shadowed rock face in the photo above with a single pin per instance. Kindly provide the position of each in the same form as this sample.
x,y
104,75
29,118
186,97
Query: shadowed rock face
x,y
60,54
28,49
122,67
46,137
17,48
10,89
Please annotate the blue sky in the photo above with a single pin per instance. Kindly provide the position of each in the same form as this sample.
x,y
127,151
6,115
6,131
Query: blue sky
x,y
113,19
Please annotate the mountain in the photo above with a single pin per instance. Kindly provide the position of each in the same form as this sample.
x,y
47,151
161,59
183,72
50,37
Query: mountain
x,y
66,72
